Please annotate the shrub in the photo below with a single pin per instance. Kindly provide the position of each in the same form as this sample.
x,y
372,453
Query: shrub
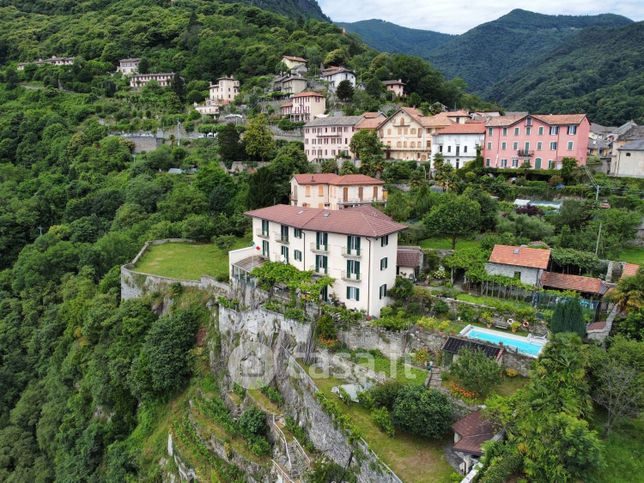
x,y
224,241
511,372
273,394
426,412
382,419
239,391
421,356
475,371
441,307
252,422
382,395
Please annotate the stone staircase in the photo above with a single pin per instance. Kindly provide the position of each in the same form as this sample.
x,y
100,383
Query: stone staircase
x,y
434,379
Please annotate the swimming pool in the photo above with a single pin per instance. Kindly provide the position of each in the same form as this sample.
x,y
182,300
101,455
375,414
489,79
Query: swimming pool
x,y
528,346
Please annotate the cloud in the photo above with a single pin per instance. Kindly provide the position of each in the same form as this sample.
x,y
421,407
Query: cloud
x,y
457,16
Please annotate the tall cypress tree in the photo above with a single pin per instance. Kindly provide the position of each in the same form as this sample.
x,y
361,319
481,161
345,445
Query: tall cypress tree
x,y
568,317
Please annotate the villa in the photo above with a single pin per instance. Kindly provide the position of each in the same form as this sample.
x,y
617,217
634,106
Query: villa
x,y
470,433
541,141
395,86
329,137
335,192
357,247
304,106
290,84
224,91
128,66
458,143
138,81
294,63
50,61
335,75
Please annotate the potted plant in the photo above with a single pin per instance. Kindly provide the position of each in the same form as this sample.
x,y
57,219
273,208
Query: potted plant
x,y
515,326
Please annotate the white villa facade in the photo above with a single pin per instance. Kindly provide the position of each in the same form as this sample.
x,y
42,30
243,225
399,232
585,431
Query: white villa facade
x,y
224,91
128,66
335,192
139,80
304,106
458,142
335,75
357,247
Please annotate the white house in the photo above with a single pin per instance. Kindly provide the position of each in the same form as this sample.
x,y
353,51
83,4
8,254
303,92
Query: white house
x,y
224,91
335,75
128,66
458,142
53,60
304,106
335,192
629,160
520,262
356,247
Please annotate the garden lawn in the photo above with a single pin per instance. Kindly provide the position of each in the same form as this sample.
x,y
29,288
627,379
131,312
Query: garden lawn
x,y
632,255
446,243
412,458
623,452
398,370
187,261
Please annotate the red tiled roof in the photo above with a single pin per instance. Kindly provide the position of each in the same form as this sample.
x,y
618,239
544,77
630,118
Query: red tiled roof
x,y
307,94
578,283
630,270
520,256
596,326
294,58
560,118
459,113
348,221
504,120
336,180
409,257
467,128
371,120
474,430
369,210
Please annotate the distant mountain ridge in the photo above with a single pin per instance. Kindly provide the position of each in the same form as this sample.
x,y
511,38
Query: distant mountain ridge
x,y
491,51
290,8
389,37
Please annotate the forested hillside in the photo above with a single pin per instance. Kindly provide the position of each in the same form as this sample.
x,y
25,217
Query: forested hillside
x,y
598,71
389,37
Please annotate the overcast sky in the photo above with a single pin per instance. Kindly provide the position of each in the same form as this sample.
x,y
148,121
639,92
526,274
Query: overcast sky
x,y
457,16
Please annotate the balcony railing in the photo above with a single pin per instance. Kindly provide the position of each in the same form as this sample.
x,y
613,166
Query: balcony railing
x,y
351,277
319,248
261,234
354,252
319,270
525,152
281,238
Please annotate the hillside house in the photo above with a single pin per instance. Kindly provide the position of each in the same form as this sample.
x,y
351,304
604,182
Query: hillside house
x,y
128,67
588,287
208,108
53,60
626,154
470,433
355,246
294,63
458,143
542,141
289,84
137,81
520,262
304,106
334,192
409,262
334,75
395,86
224,91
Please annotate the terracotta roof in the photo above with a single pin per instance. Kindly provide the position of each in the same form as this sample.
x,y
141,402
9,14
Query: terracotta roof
x,y
286,104
630,270
467,128
504,120
520,256
578,283
334,70
371,120
474,430
307,94
456,344
560,118
437,120
369,210
348,221
409,257
294,58
336,180
459,113
596,326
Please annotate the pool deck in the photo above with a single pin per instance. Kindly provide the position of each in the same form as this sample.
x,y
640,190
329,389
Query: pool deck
x,y
531,340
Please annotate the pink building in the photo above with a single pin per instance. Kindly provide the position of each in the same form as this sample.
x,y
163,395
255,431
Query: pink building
x,y
541,140
329,137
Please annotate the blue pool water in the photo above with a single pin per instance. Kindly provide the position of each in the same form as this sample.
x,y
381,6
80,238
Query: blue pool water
x,y
529,348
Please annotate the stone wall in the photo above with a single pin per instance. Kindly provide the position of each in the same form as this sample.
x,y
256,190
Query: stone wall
x,y
137,284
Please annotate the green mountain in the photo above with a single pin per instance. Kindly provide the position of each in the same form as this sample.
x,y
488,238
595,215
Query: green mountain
x,y
299,9
488,53
599,71
389,37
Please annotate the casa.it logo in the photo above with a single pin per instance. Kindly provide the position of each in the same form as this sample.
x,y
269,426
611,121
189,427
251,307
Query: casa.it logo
x,y
251,365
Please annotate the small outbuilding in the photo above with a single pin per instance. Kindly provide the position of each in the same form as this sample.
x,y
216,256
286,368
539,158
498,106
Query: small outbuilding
x,y
470,433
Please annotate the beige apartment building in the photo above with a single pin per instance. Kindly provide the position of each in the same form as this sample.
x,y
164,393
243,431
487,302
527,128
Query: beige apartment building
x,y
224,91
164,79
304,106
334,192
357,247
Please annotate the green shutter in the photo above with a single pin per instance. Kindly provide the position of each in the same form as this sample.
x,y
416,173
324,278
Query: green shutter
x,y
348,290
357,294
